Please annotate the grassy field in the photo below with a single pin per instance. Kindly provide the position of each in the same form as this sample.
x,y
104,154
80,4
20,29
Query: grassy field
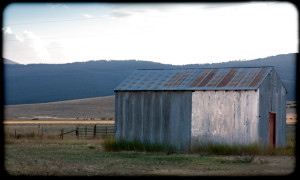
x,y
33,147
87,157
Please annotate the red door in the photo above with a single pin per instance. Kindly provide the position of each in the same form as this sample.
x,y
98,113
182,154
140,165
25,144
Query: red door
x,y
272,122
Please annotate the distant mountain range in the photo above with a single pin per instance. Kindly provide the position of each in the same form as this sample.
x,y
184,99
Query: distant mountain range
x,y
42,83
7,61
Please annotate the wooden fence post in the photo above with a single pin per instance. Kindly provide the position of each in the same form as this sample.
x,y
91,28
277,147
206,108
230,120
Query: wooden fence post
x,y
42,134
77,134
38,128
106,130
95,131
62,134
85,131
15,133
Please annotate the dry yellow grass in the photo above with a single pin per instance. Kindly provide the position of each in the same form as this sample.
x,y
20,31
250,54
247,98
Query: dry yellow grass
x,y
291,118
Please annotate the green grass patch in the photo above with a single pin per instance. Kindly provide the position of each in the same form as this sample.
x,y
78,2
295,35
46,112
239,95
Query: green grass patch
x,y
110,144
209,148
202,148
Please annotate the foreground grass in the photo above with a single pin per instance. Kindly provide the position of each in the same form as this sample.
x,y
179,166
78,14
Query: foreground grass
x,y
49,155
201,148
88,158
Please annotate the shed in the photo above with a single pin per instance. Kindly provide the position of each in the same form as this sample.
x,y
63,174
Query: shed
x,y
232,105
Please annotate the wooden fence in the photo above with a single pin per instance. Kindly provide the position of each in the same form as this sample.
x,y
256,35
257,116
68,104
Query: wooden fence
x,y
88,131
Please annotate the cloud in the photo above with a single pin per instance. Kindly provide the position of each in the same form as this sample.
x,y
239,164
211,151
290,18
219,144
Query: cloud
x,y
26,47
57,5
7,30
56,50
119,14
88,16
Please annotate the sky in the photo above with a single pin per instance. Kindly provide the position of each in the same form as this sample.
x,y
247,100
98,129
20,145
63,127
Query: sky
x,y
169,33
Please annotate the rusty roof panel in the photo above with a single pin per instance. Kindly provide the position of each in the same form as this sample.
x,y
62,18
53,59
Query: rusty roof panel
x,y
195,79
258,78
216,80
208,78
249,77
182,79
200,77
237,79
172,80
227,78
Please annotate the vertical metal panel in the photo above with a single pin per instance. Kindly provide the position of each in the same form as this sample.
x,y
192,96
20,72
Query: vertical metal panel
x,y
185,120
155,117
224,116
117,114
272,99
264,109
166,115
282,115
279,107
147,116
174,113
137,117
180,114
130,116
127,115
124,111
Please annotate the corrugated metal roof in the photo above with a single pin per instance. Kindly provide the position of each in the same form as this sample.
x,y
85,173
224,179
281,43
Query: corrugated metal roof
x,y
234,78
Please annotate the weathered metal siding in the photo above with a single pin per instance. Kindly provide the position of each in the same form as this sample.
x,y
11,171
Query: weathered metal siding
x,y
154,116
272,95
225,116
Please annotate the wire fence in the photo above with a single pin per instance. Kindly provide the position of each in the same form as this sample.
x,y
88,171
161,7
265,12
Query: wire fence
x,y
89,131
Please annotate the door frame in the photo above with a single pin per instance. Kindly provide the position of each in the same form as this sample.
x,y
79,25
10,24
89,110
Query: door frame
x,y
272,129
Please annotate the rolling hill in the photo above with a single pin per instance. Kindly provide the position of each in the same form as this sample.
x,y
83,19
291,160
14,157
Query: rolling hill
x,y
43,83
83,109
7,61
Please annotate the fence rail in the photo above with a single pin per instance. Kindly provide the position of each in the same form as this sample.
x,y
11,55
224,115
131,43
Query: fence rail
x,y
89,131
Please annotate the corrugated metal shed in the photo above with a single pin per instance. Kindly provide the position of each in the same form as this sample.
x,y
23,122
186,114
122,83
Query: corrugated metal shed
x,y
232,78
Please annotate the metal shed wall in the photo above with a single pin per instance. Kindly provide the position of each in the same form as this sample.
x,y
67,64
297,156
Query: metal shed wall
x,y
272,98
225,116
154,116
164,106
